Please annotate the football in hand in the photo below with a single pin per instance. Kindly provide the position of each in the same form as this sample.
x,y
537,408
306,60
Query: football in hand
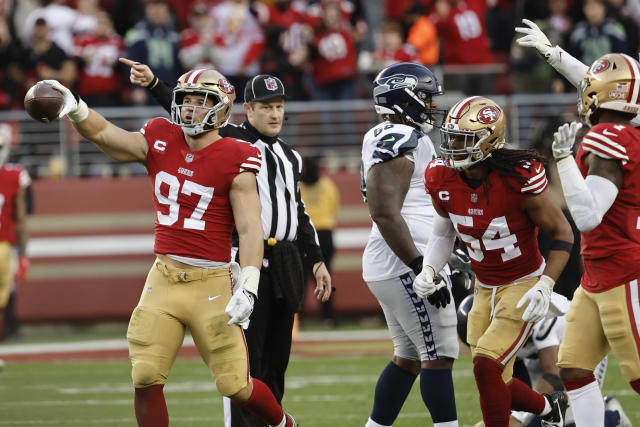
x,y
43,102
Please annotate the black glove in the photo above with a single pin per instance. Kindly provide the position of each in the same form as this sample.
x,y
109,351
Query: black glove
x,y
441,297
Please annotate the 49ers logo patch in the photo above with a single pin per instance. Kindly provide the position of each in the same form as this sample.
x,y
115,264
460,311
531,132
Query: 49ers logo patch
x,y
488,114
600,66
225,86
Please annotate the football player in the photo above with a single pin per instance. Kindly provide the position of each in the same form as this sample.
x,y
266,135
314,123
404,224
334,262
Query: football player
x,y
495,199
203,185
14,180
602,189
536,362
395,154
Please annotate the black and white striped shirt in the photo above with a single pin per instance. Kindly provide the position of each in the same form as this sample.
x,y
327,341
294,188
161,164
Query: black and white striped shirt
x,y
283,211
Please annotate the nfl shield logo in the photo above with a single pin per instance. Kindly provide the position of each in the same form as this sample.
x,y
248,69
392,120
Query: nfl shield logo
x,y
271,83
474,197
188,158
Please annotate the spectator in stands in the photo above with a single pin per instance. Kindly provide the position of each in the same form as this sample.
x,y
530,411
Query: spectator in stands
x,y
423,35
87,17
44,60
333,57
528,73
154,41
393,48
198,42
350,10
125,14
9,73
462,30
62,20
597,34
620,11
99,81
286,53
322,202
240,40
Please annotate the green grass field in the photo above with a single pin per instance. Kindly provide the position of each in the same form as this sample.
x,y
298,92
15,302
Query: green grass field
x,y
321,392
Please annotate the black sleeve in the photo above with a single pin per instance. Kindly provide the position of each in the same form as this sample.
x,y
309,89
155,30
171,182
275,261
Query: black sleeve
x,y
162,93
307,236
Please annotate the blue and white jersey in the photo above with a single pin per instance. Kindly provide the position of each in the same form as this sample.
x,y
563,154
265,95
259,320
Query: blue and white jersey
x,y
387,141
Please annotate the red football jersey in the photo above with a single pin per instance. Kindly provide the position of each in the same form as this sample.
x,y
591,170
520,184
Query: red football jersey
x,y
464,35
611,251
336,59
12,179
500,237
99,74
191,190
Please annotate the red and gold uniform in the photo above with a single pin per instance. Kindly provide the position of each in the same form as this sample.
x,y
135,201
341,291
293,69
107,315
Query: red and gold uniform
x,y
502,245
194,222
13,179
607,303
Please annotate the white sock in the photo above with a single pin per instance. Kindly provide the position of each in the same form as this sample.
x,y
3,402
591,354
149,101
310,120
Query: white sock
x,y
447,424
371,423
547,407
588,405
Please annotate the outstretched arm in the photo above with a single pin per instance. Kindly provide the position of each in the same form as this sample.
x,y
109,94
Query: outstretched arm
x,y
117,143
557,57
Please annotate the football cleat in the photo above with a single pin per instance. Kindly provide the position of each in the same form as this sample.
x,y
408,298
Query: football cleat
x,y
559,402
611,403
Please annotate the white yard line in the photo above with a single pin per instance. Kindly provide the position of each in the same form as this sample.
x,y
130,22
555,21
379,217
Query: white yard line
x,y
121,344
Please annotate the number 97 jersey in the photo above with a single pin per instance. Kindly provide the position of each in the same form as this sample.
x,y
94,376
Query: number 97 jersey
x,y
491,219
191,190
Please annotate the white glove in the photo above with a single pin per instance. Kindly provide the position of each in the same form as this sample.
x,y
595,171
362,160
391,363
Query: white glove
x,y
77,110
538,298
240,307
564,139
534,37
424,285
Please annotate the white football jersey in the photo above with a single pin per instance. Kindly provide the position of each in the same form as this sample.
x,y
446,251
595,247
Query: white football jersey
x,y
387,141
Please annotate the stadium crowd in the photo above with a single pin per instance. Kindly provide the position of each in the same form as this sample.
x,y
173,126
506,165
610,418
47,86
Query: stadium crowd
x,y
321,49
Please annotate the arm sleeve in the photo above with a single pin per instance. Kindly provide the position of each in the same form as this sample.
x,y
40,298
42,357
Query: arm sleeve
x,y
567,65
163,95
588,199
440,243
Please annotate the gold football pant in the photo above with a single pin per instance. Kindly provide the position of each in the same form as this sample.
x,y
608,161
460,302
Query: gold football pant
x,y
495,327
173,299
6,273
601,322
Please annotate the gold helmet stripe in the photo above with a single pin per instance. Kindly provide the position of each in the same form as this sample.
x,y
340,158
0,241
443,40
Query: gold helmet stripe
x,y
460,106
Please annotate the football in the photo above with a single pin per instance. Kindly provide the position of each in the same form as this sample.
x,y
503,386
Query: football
x,y
43,102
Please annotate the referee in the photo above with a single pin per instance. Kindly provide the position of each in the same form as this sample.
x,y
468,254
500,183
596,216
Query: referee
x,y
289,234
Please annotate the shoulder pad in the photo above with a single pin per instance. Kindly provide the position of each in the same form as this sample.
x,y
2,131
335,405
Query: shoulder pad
x,y
393,140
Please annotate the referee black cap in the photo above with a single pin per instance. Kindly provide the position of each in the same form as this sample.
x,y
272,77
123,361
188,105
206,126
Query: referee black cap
x,y
262,87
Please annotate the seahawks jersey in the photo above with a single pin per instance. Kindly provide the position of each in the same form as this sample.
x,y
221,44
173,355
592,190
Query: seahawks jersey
x,y
387,141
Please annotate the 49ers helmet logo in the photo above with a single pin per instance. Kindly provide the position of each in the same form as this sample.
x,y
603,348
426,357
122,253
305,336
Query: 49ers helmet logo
x,y
488,114
225,86
600,66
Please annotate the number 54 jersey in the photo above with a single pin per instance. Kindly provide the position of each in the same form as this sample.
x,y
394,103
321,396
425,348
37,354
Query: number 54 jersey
x,y
191,190
491,220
